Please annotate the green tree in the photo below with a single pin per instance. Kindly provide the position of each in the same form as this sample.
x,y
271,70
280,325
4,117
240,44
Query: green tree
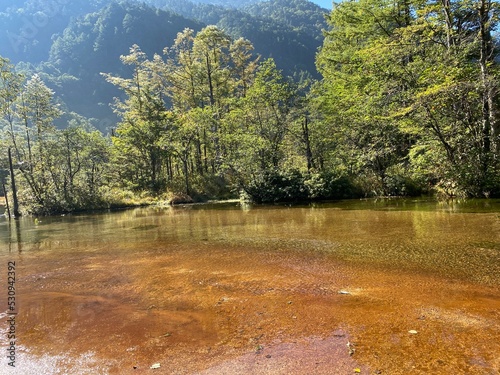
x,y
174,108
144,119
57,170
360,90
256,129
205,70
401,83
10,88
454,101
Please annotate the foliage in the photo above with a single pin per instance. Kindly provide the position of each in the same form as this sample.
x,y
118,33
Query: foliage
x,y
94,42
28,26
414,85
172,116
301,15
294,186
70,43
257,128
408,104
56,170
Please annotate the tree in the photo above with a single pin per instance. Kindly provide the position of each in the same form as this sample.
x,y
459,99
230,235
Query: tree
x,y
244,65
10,87
54,170
174,108
405,77
144,119
205,70
360,90
38,111
256,129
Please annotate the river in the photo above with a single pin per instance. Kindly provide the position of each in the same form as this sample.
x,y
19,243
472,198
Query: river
x,y
393,286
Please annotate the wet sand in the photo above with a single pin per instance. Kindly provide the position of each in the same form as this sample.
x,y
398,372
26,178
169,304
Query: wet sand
x,y
257,312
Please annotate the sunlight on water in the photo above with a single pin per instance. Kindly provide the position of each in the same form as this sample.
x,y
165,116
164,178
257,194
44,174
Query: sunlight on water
x,y
200,285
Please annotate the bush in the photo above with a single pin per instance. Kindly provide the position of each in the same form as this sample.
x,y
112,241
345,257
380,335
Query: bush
x,y
330,185
294,186
397,182
399,186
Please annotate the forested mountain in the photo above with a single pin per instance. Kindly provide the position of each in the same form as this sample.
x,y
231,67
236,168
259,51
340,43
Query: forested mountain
x,y
71,43
297,15
94,43
27,27
301,15
228,3
289,31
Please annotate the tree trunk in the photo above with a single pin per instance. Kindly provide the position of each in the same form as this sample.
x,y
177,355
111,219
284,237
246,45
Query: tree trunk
x,y
185,162
199,163
449,23
14,189
205,153
70,167
305,134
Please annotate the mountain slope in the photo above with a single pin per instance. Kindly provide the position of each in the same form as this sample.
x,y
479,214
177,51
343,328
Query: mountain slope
x,y
290,31
28,28
299,15
94,43
71,42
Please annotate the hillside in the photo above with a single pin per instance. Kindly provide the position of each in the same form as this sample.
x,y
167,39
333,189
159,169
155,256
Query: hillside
x,y
288,31
70,44
30,26
94,43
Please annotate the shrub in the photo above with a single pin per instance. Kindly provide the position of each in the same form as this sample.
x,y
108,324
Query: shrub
x,y
277,187
294,186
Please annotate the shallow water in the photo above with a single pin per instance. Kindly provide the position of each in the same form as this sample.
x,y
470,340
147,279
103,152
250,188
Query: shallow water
x,y
232,288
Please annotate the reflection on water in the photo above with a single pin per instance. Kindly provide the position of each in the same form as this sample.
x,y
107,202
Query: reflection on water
x,y
10,234
460,239
198,285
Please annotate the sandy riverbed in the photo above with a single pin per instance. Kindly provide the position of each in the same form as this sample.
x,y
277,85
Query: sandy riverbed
x,y
263,314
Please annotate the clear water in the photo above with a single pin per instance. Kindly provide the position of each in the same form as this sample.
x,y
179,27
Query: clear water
x,y
198,285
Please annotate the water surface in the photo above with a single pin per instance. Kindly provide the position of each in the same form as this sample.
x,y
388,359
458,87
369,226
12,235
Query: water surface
x,y
231,288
